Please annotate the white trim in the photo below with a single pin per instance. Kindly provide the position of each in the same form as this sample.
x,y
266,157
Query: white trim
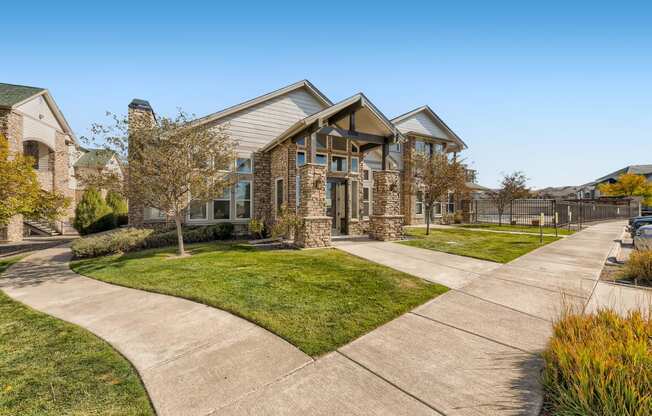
x,y
212,216
327,164
351,164
296,159
330,165
426,109
251,199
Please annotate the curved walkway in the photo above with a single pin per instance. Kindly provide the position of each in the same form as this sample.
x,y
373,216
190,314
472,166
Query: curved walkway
x,y
471,351
192,358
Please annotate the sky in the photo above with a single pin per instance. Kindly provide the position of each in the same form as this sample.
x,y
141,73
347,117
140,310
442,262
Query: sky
x,y
559,90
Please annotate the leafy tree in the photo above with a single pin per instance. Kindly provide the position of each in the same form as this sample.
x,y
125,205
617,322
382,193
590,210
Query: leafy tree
x,y
92,214
170,162
629,185
118,205
20,191
437,175
513,186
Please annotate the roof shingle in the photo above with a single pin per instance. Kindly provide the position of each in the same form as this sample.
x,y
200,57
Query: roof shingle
x,y
11,94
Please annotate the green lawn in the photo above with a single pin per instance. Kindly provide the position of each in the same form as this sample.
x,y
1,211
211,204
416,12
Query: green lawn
x,y
316,299
522,228
497,247
49,367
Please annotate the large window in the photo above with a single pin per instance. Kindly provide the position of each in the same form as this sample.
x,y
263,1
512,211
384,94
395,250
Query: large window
x,y
153,214
365,201
197,210
338,164
300,141
354,199
395,147
419,204
301,158
321,159
222,206
451,204
422,147
322,142
366,174
279,195
297,190
243,165
354,164
243,199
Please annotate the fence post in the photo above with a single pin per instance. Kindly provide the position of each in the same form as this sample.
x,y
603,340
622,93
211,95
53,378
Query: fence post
x,y
556,221
541,219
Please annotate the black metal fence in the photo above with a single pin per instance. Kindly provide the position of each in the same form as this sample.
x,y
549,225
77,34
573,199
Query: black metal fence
x,y
552,212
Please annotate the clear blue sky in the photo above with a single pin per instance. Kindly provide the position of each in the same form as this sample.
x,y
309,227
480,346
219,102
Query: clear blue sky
x,y
560,90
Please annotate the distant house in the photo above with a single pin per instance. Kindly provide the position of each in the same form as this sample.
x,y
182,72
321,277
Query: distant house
x,y
559,192
34,125
95,162
590,190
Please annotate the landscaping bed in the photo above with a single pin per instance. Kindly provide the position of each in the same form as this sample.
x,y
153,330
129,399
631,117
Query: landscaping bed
x,y
498,247
50,367
316,299
599,364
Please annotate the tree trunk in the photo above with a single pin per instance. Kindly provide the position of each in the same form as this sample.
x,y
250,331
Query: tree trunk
x,y
500,217
180,249
428,210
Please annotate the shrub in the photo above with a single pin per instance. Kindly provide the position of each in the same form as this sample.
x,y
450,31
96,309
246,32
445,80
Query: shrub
x,y
92,214
639,266
133,239
599,364
119,207
256,228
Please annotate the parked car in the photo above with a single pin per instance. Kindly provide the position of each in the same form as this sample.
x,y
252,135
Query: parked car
x,y
643,238
638,224
631,220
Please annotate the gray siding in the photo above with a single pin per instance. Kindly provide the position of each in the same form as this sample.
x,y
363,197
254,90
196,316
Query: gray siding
x,y
421,123
256,126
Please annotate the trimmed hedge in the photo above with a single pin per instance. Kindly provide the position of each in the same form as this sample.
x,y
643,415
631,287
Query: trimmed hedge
x,y
600,364
639,266
134,239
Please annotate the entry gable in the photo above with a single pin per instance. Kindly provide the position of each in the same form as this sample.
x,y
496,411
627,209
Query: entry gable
x,y
424,121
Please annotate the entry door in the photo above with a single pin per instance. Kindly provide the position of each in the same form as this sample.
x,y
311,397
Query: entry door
x,y
340,204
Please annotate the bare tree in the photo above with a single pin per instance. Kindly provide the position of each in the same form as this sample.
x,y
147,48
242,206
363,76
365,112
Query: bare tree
x,y
170,163
437,176
512,186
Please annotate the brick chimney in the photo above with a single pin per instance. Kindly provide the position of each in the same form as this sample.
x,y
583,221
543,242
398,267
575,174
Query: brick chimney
x,y
140,115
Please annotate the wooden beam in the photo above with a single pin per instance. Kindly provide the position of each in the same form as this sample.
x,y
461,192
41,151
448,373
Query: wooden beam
x,y
352,122
385,154
353,135
340,115
366,147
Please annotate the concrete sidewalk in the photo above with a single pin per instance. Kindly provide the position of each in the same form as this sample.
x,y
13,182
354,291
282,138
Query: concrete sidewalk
x,y
471,351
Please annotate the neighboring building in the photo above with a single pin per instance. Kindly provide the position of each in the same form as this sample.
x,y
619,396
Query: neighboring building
x,y
33,124
560,192
344,168
590,190
90,162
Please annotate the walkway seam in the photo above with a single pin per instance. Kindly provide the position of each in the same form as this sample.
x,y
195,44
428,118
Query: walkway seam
x,y
472,333
500,304
440,264
392,384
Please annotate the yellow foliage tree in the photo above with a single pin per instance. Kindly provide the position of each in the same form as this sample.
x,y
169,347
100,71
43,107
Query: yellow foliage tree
x,y
20,192
629,185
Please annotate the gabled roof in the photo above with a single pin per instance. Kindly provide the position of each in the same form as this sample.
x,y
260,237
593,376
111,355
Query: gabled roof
x,y
635,169
250,103
427,110
11,96
327,112
95,158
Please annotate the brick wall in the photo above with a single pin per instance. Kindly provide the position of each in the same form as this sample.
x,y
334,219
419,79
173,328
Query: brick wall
x,y
138,117
386,222
279,170
262,187
61,179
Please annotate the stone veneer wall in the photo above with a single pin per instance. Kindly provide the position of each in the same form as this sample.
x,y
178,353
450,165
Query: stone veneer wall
x,y
386,221
315,228
278,170
62,173
11,126
408,189
137,117
262,188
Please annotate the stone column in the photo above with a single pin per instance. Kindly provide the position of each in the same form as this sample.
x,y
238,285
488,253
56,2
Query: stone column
x,y
315,227
140,115
263,190
11,127
386,222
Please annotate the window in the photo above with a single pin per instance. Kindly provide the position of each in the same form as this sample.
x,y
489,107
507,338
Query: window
x,y
321,159
279,195
338,164
395,147
365,174
419,204
436,209
354,164
322,142
297,190
451,204
338,143
420,146
301,158
300,141
438,148
243,199
243,165
222,206
354,200
354,148
365,201
153,214
197,210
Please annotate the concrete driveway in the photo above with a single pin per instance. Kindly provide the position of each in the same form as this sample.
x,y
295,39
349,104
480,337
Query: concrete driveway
x,y
471,351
